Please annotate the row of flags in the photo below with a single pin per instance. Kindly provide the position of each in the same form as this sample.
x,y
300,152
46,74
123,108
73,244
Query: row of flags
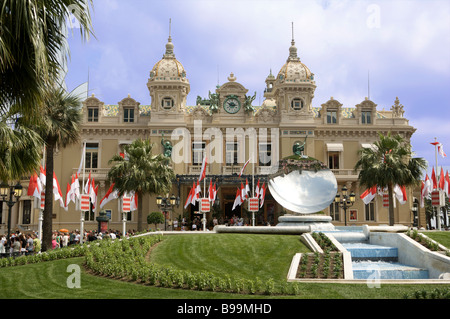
x,y
37,184
399,192
194,194
73,192
242,194
428,185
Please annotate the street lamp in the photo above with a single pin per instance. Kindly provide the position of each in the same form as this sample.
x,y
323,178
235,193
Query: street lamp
x,y
346,201
415,217
167,203
13,191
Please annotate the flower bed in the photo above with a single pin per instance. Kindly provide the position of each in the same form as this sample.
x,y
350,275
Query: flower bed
x,y
328,265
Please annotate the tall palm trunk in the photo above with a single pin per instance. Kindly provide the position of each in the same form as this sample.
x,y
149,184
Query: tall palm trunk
x,y
391,204
140,224
47,224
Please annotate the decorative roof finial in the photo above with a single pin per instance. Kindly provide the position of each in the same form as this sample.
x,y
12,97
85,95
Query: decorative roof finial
x,y
293,49
169,46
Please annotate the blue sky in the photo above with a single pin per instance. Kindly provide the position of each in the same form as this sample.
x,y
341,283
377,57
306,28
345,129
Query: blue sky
x,y
403,44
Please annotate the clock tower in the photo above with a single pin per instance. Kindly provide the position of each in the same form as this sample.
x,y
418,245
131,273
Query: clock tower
x,y
293,90
232,97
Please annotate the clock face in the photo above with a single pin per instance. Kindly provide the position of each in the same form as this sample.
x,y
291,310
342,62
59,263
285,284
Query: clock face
x,y
231,105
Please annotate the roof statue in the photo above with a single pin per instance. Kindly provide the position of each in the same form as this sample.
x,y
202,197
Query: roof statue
x,y
248,103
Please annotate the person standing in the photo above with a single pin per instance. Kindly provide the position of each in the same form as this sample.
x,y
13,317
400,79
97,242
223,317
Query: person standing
x,y
30,245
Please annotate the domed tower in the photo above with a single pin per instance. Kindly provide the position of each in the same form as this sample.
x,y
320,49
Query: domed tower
x,y
168,86
293,88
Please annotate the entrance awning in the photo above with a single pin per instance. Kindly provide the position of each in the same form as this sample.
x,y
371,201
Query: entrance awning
x,y
335,147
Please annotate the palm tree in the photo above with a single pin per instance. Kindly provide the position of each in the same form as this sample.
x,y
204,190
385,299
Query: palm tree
x,y
21,151
388,164
60,127
33,47
142,172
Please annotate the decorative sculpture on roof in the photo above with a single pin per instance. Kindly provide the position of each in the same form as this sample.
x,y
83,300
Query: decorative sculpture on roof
x,y
397,109
248,103
213,101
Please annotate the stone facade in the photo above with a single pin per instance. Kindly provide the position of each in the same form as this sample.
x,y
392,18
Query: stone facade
x,y
227,126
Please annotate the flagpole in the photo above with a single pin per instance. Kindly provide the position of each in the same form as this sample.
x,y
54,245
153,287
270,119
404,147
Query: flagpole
x,y
41,211
82,186
253,186
438,209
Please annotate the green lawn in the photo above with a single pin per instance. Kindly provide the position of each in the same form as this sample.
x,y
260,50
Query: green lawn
x,y
239,255
443,237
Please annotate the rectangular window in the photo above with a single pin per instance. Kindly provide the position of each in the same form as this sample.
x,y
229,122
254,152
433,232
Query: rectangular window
x,y
91,155
92,114
370,211
26,214
198,151
366,117
231,153
128,115
333,160
265,154
334,211
331,117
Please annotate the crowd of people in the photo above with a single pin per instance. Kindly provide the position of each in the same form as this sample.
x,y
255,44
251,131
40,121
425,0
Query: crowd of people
x,y
29,243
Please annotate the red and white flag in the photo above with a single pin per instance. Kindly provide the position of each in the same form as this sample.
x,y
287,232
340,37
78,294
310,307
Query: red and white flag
x,y
35,186
75,188
440,149
262,195
109,196
214,192
425,190
134,202
427,187
93,195
369,194
210,191
243,168
68,197
197,193
87,185
433,179
57,191
400,193
190,196
243,193
447,184
237,200
257,189
203,170
42,175
442,180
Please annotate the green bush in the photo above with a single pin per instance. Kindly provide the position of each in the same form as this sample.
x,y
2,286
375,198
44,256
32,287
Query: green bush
x,y
155,218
